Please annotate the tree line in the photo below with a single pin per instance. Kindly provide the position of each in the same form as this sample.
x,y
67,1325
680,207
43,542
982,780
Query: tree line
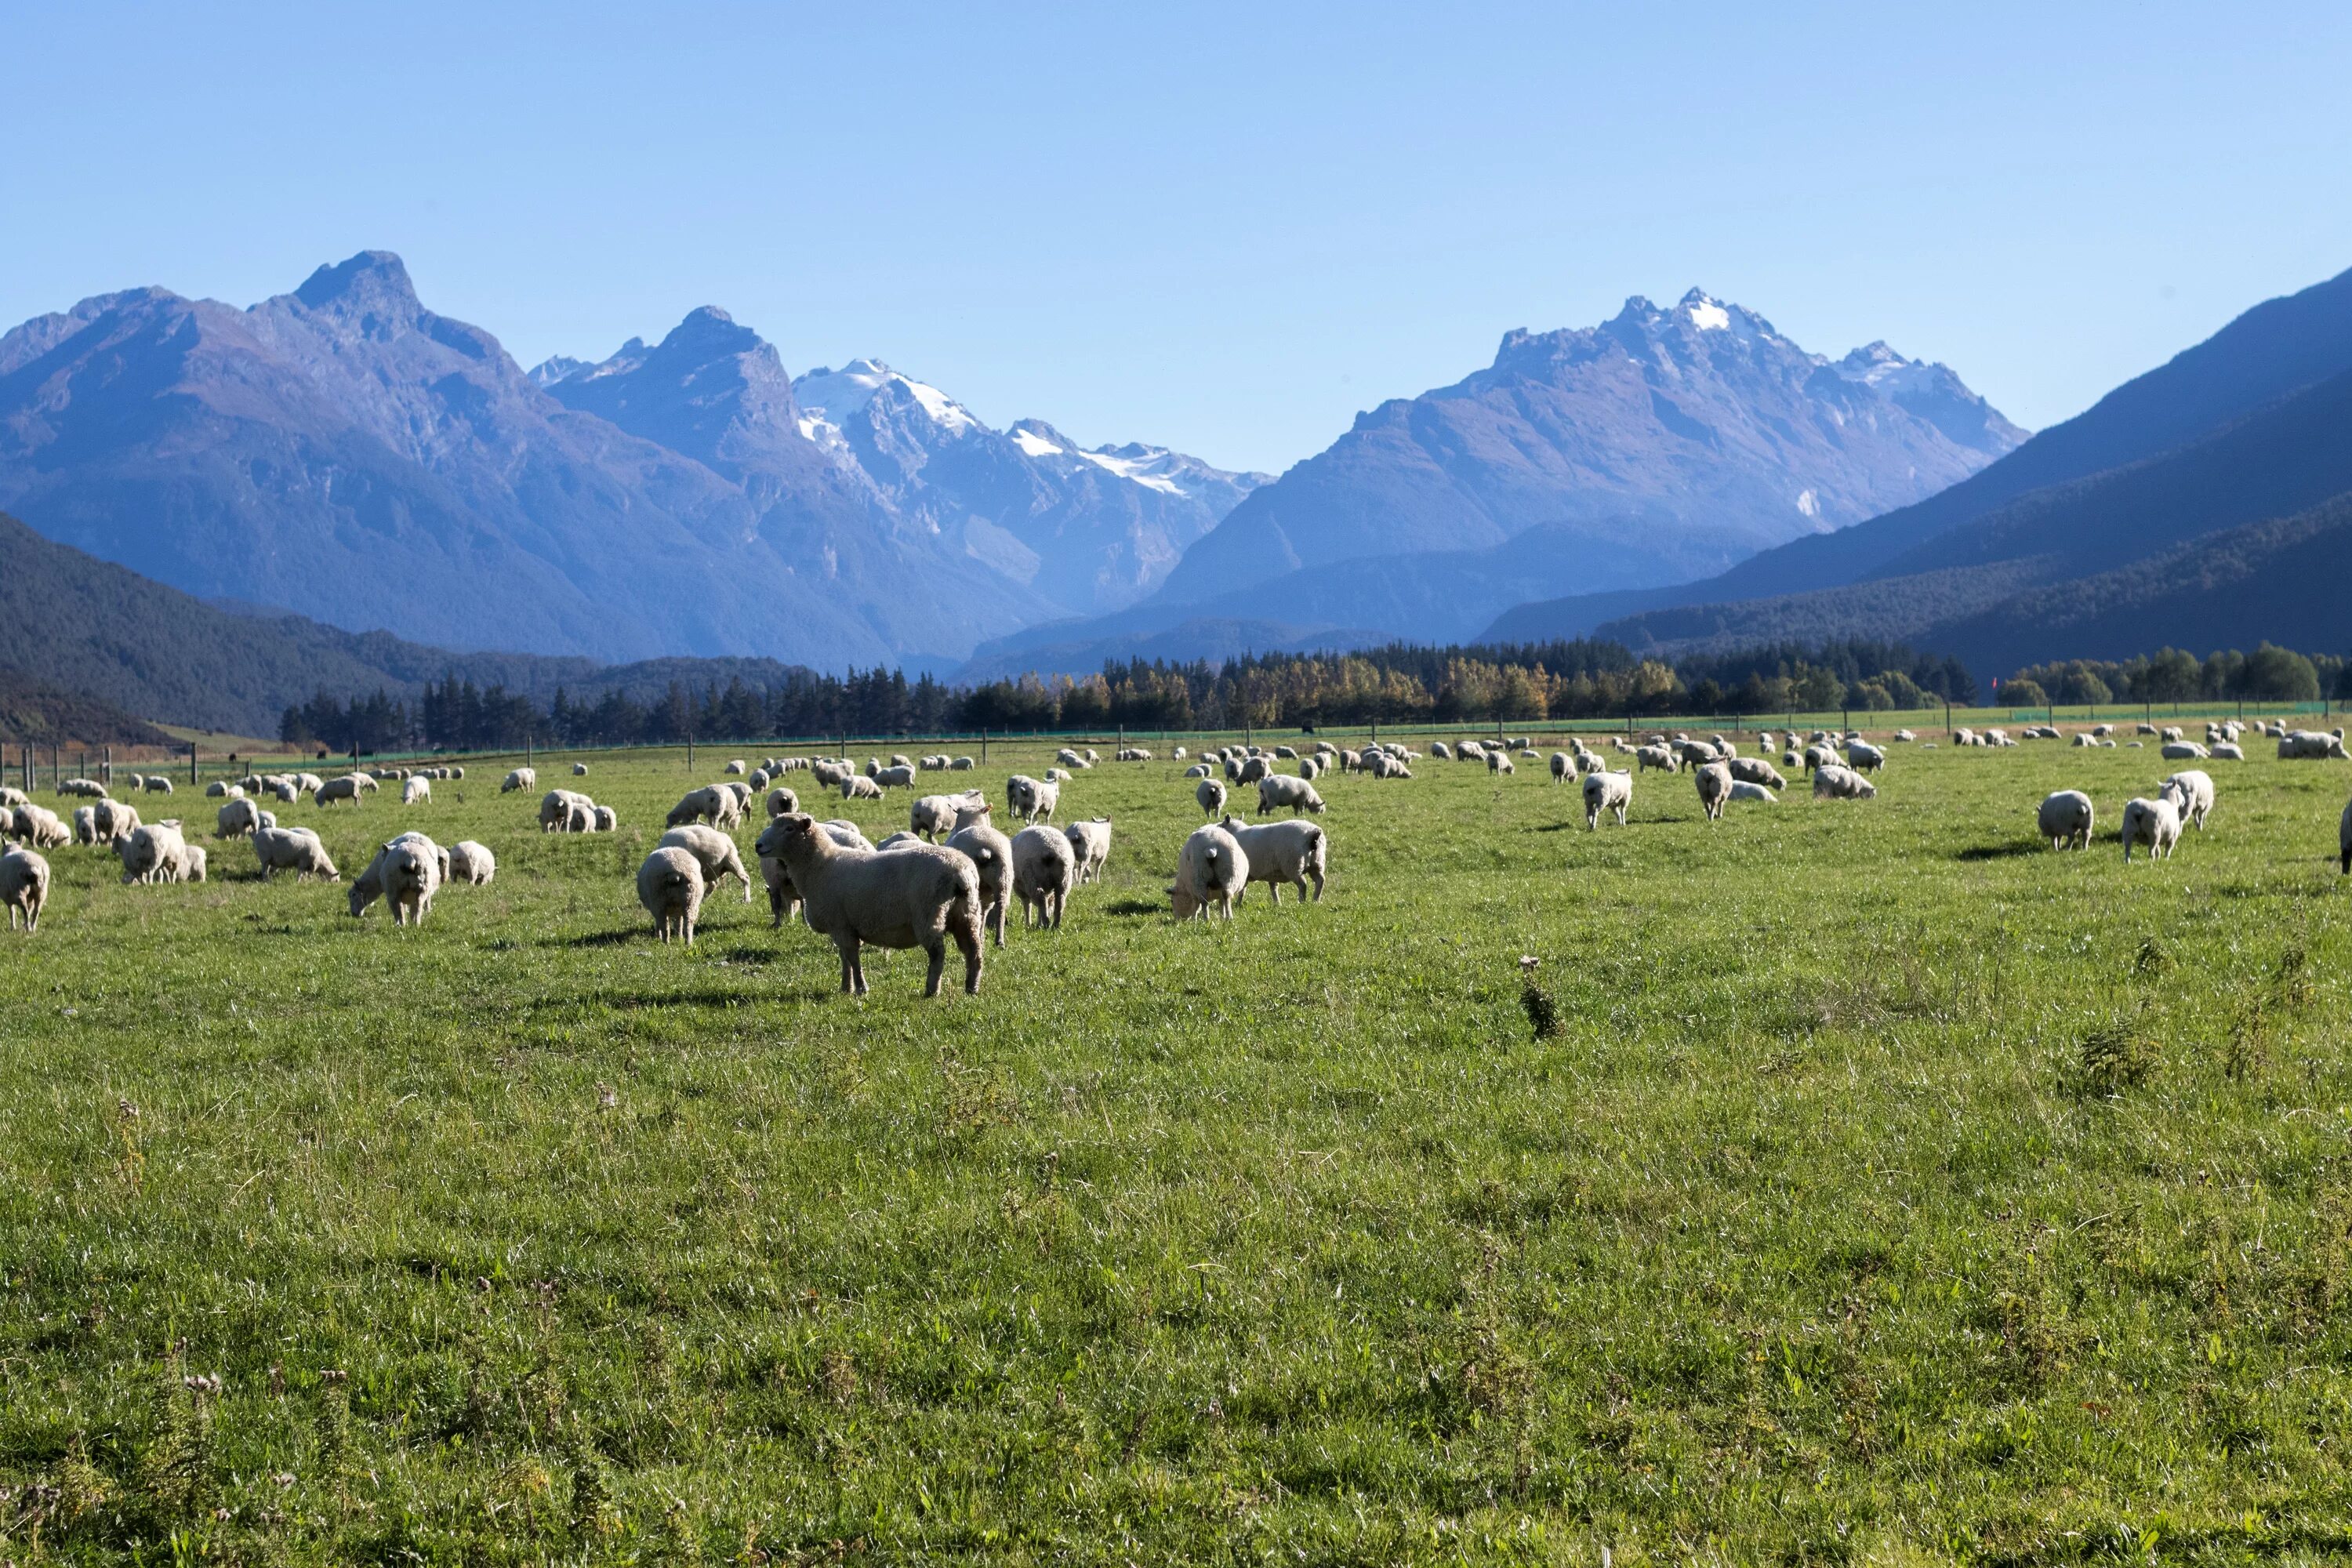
x,y
1398,683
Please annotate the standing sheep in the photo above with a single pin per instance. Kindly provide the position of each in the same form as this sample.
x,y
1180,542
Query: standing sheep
x,y
782,800
1278,852
1277,790
1044,871
2191,789
1606,792
713,801
1714,780
472,863
1211,870
347,787
1090,847
524,779
580,770
918,897
410,874
669,885
24,885
1835,783
295,849
713,851
933,816
2066,818
416,791
1211,793
236,819
990,854
1863,757
2154,823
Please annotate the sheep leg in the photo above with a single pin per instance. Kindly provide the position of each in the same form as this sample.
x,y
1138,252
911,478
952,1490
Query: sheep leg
x,y
965,928
853,975
935,947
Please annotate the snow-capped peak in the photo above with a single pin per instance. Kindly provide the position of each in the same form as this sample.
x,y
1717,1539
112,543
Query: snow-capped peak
x,y
1877,366
1706,314
1030,437
831,396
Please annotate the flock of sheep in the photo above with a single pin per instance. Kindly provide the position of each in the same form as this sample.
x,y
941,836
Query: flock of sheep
x,y
953,875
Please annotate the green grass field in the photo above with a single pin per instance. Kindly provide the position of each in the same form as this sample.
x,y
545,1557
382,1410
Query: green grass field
x,y
1892,1189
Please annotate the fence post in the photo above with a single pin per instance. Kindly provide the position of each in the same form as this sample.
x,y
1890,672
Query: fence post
x,y
984,742
689,751
192,764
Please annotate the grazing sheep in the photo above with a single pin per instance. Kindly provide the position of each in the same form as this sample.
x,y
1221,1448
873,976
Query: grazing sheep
x,y
1714,780
1045,869
40,827
2180,750
713,851
1608,792
85,825
735,765
154,853
2309,744
1863,757
1498,764
961,765
1211,870
715,802
894,776
1278,852
781,895
347,787
1211,793
2192,793
472,863
1755,771
1746,789
1818,757
158,785
525,779
24,885
1030,799
1562,765
921,896
669,885
1659,757
295,849
782,800
1835,783
89,789
566,811
990,854
858,786
2227,752
2154,823
416,792
580,770
1277,790
934,815
410,871
2171,733
2066,818
1091,847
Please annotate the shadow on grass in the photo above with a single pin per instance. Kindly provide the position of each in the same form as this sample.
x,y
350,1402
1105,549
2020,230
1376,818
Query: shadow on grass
x,y
750,955
604,938
2002,851
1132,907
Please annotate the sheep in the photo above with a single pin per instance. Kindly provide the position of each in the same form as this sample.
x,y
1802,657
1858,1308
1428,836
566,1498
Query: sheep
x,y
858,786
2181,751
566,811
1755,771
1561,765
40,827
2192,795
113,819
1659,757
580,770
88,789
990,854
1905,735
713,852
1030,799
410,871
1498,764
828,774
1045,869
332,790
1863,757
295,849
1276,790
2228,752
1309,767
919,897
781,895
524,779
10,799
933,815
85,825
25,885
2303,744
2154,823
2171,733
1698,753
156,784
155,853
217,790
312,783
713,801
735,765
782,800
2066,818
2084,738
603,819
416,792
1279,852
287,792
1606,792
1069,759
1251,770
1091,847
900,760
1138,755
471,863
1211,793
669,885
1210,869
961,765
1714,781
1835,783
894,776
1746,789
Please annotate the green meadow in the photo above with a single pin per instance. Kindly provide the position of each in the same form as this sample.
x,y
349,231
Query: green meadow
x,y
1863,1182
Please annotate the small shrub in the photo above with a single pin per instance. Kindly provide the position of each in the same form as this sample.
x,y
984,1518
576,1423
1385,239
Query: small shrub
x,y
2114,1058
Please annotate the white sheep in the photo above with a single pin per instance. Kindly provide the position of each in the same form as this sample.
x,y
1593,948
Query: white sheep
x,y
157,783
1032,799
735,765
154,853
410,871
2066,818
1606,792
1835,783
1746,789
1044,871
1277,852
1714,781
1498,764
2171,733
296,849
566,811
24,885
1659,757
1562,765
990,853
40,826
782,800
2181,751
2154,823
714,802
919,897
1211,793
858,786
932,816
782,897
472,863
2309,744
894,776
604,819
1277,790
713,851
1211,870
416,792
1863,757
1755,771
669,885
580,770
1089,847
2227,752
2192,793
524,779
347,787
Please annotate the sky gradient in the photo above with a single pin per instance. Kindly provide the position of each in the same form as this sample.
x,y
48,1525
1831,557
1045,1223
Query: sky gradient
x,y
1205,225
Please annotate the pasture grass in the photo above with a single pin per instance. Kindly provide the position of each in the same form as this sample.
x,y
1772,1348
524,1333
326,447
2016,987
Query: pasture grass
x,y
1886,1189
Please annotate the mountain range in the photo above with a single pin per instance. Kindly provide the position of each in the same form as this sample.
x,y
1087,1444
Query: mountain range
x,y
2183,508
345,453
1662,445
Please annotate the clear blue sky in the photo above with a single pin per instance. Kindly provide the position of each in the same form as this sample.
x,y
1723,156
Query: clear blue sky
x,y
1224,228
